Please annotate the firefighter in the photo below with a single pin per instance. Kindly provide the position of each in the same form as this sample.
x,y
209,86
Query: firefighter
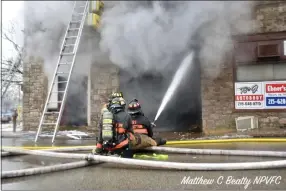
x,y
115,129
14,119
141,125
106,107
108,101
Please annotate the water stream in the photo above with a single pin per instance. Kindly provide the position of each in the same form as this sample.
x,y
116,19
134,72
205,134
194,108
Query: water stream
x,y
182,70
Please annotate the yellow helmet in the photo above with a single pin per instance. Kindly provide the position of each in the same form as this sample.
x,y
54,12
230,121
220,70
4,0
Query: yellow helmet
x,y
116,95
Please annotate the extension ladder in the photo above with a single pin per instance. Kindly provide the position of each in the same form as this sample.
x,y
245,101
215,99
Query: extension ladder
x,y
64,66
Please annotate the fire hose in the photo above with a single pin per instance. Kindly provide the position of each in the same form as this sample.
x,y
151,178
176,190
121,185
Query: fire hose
x,y
46,169
174,150
136,162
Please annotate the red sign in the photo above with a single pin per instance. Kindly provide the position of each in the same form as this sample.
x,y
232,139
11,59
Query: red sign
x,y
249,98
276,88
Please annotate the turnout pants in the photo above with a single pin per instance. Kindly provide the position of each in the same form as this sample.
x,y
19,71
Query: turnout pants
x,y
142,141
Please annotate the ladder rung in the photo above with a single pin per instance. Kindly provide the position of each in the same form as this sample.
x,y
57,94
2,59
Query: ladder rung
x,y
50,112
67,54
73,29
71,37
61,82
75,22
62,73
65,63
69,45
48,123
55,102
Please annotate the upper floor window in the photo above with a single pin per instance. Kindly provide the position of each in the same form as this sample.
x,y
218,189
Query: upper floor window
x,y
261,61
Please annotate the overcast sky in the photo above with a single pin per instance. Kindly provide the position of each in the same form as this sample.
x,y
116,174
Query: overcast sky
x,y
12,11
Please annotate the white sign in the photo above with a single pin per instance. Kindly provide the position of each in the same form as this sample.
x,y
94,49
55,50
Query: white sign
x,y
249,95
260,95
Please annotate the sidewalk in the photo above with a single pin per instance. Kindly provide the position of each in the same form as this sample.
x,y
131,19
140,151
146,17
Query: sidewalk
x,y
7,132
8,127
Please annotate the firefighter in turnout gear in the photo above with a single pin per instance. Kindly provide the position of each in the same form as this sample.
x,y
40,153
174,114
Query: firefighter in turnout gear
x,y
142,126
115,129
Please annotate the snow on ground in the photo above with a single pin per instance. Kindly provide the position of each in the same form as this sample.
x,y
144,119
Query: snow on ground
x,y
73,134
9,127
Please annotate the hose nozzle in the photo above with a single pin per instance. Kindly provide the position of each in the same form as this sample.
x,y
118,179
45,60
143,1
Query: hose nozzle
x,y
153,124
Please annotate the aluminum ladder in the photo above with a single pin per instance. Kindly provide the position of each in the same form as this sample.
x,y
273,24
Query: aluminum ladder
x,y
65,65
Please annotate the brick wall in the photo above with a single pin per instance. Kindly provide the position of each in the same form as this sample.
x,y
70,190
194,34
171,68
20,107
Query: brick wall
x,y
217,94
104,79
34,92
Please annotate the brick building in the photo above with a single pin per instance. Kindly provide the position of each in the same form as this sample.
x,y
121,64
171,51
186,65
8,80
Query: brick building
x,y
218,97
249,65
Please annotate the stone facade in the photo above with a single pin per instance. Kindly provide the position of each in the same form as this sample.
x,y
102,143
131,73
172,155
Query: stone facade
x,y
104,79
34,93
271,17
218,94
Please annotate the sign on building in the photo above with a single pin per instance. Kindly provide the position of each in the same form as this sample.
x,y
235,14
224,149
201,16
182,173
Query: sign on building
x,y
249,95
260,95
275,95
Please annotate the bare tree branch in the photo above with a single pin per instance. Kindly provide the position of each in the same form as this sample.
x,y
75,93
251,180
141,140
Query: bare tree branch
x,y
16,46
12,70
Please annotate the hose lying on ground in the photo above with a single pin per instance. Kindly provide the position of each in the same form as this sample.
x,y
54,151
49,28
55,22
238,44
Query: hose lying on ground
x,y
187,151
227,140
5,154
218,152
46,169
65,149
159,164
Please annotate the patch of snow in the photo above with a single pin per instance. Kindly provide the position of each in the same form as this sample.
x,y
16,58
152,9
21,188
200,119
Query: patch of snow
x,y
9,127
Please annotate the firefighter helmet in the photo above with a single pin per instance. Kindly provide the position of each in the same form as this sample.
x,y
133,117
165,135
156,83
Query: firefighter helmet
x,y
116,95
113,96
117,104
134,107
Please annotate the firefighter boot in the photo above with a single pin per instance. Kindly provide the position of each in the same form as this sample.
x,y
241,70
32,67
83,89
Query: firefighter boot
x,y
160,141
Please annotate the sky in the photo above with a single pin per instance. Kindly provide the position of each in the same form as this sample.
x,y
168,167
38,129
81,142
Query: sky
x,y
12,12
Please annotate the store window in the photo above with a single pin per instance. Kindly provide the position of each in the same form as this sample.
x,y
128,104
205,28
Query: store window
x,y
261,61
261,72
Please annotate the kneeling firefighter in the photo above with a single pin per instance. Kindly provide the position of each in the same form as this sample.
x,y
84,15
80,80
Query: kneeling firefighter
x,y
142,126
115,129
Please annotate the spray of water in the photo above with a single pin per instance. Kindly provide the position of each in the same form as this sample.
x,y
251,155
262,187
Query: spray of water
x,y
183,68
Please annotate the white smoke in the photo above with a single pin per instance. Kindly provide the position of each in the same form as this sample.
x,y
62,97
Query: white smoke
x,y
148,35
45,24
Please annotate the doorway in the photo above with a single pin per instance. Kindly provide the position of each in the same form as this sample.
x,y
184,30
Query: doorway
x,y
183,112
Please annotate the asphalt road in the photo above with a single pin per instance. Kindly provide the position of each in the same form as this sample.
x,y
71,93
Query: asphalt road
x,y
117,177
